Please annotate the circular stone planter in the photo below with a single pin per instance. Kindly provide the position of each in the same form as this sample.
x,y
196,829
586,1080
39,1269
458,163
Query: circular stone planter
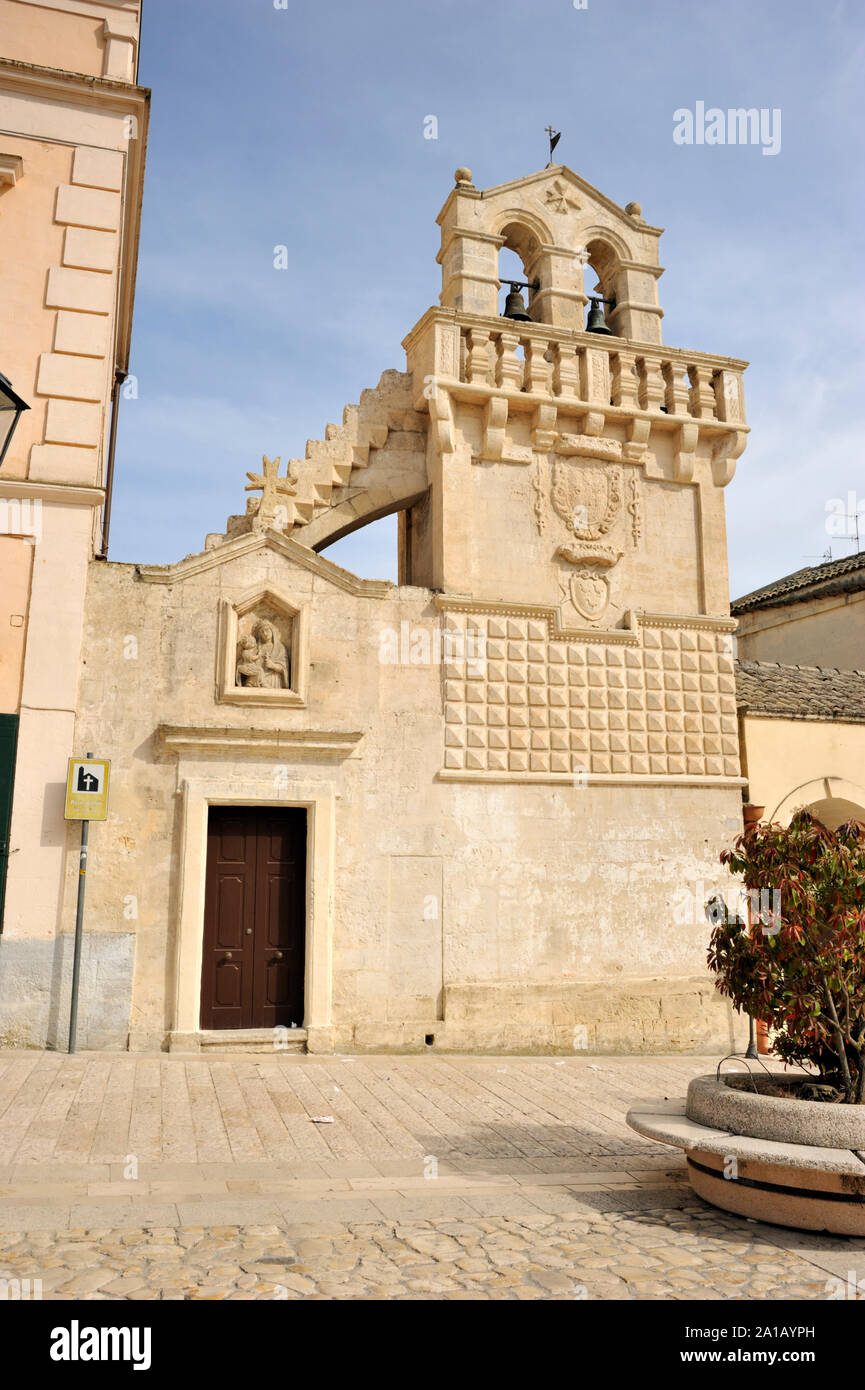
x,y
742,1110
790,1162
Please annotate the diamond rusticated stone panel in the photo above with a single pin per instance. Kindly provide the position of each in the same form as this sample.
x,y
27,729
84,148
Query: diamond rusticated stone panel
x,y
517,701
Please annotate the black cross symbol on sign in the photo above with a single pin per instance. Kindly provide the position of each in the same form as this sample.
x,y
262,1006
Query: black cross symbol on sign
x,y
87,781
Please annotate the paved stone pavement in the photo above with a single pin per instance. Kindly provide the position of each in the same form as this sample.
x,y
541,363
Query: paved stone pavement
x,y
147,1177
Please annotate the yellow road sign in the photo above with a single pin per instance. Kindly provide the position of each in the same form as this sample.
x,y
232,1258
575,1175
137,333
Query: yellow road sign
x,y
87,789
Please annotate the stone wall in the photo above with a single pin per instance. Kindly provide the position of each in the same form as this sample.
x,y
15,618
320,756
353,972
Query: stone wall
x,y
532,915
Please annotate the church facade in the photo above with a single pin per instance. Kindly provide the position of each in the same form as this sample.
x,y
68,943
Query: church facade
x,y
461,811
458,812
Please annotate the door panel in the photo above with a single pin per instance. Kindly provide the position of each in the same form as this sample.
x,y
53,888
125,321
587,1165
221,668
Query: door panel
x,y
254,918
231,894
280,901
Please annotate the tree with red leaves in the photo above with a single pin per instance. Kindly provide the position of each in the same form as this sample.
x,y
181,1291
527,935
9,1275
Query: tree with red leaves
x,y
802,968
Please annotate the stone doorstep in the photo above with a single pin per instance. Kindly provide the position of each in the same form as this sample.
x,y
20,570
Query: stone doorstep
x,y
232,1040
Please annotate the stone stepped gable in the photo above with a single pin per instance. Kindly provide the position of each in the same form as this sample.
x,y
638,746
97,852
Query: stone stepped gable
x,y
333,468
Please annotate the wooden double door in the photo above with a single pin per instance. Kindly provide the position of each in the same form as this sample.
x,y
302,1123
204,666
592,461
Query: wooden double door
x,y
254,917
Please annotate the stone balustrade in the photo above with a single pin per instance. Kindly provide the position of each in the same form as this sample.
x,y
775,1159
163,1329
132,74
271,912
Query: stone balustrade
x,y
595,371
587,370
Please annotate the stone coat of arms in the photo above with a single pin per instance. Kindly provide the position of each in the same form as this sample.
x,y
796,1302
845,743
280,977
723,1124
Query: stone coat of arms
x,y
588,495
588,498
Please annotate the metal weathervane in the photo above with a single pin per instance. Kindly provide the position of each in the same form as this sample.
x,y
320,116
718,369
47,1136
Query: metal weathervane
x,y
554,137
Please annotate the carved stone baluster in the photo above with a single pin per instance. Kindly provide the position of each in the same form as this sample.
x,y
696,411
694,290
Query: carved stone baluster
x,y
701,398
624,380
651,389
509,368
675,391
478,362
538,370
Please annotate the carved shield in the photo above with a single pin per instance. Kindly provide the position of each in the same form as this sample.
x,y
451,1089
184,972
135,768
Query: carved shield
x,y
590,593
587,497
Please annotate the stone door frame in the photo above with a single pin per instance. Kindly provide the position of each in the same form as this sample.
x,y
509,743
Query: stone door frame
x,y
198,795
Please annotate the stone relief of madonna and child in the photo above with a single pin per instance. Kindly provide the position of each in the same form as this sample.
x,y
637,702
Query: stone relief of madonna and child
x,y
262,659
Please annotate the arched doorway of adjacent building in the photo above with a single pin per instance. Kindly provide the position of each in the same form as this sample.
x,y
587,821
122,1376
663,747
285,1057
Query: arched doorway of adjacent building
x,y
833,800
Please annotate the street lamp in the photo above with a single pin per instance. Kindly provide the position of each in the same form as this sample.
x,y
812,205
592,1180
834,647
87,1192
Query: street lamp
x,y
11,407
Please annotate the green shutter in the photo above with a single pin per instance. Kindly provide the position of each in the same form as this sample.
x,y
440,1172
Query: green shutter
x,y
8,743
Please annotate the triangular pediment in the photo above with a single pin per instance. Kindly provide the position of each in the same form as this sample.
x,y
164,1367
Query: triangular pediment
x,y
251,542
545,181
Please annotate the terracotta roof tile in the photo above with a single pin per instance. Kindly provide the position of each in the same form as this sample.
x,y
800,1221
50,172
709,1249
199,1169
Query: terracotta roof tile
x,y
815,581
800,692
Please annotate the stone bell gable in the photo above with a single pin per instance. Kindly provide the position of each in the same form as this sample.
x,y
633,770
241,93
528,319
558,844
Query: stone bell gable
x,y
504,771
600,456
557,224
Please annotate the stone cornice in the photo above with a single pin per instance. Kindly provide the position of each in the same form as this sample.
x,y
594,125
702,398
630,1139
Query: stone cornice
x,y
65,495
474,235
543,613
703,622
642,308
602,779
656,270
334,744
56,82
248,544
629,634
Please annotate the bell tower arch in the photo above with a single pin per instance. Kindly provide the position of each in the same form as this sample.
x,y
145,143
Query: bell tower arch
x,y
556,223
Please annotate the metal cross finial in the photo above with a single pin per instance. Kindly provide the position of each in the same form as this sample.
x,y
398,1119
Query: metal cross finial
x,y
555,136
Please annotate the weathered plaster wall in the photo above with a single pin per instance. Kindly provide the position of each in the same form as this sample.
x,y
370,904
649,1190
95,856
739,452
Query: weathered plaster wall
x,y
827,632
797,762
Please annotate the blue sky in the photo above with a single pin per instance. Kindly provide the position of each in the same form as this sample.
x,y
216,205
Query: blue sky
x,y
304,127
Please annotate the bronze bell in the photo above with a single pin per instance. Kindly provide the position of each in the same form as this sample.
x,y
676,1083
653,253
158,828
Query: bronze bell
x,y
596,322
514,306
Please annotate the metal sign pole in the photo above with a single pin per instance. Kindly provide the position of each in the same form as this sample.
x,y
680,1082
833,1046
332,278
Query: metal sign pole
x,y
79,923
79,932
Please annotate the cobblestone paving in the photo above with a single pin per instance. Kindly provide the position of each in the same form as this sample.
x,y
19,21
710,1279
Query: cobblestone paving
x,y
438,1178
690,1253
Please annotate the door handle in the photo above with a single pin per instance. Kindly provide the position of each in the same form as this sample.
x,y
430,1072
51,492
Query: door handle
x,y
277,955
228,956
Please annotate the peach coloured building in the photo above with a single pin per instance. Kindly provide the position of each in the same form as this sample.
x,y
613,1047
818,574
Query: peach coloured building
x,y
73,131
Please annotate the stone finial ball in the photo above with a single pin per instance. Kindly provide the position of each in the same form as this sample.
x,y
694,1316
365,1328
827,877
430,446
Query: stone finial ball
x,y
634,210
463,175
